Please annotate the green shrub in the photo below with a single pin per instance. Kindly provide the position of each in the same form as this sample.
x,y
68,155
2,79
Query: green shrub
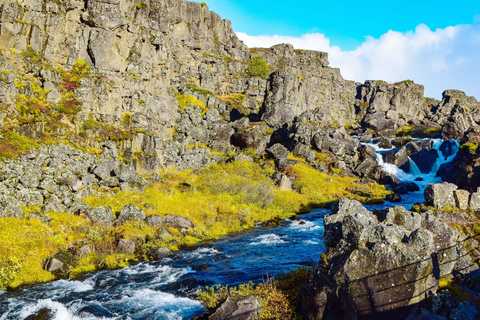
x,y
257,68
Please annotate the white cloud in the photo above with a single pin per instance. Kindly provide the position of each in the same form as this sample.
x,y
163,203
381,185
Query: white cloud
x,y
442,59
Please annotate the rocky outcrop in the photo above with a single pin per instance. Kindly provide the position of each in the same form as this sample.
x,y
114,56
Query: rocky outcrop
x,y
57,178
388,108
380,264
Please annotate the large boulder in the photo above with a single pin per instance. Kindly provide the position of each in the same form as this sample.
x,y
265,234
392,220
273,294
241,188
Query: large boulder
x,y
42,314
159,253
277,151
155,221
12,211
60,264
440,195
462,198
398,157
100,214
239,308
379,268
181,223
130,212
105,170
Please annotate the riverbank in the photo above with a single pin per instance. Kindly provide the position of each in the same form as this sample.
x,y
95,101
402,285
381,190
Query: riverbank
x,y
218,200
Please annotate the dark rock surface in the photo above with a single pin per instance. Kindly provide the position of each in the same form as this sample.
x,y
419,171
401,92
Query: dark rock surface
x,y
380,265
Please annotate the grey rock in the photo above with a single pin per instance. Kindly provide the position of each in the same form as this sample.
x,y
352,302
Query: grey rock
x,y
130,212
78,208
285,184
100,214
398,157
126,173
422,240
42,314
277,151
76,185
31,178
155,178
154,221
462,198
474,202
178,222
126,246
160,253
38,216
239,308
440,195
83,251
105,170
12,211
60,264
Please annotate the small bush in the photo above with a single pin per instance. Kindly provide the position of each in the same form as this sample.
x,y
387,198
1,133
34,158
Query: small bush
x,y
257,68
278,295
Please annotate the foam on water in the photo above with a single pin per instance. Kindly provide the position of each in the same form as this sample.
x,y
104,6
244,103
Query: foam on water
x,y
268,239
310,242
73,286
203,252
60,310
301,225
167,274
147,302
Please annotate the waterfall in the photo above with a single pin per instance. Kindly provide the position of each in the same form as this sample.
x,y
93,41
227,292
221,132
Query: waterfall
x,y
415,175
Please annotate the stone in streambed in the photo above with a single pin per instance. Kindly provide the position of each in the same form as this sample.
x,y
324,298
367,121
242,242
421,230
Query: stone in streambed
x,y
42,314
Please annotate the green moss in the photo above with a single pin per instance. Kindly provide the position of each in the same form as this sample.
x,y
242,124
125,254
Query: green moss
x,y
205,92
188,100
257,68
470,147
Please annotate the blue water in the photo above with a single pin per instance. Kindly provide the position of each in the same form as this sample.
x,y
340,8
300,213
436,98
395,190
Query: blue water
x,y
166,289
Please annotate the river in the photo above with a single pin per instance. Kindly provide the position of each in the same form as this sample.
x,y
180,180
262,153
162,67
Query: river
x,y
166,289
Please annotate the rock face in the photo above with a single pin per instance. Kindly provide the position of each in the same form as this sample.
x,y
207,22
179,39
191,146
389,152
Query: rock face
x,y
379,264
163,85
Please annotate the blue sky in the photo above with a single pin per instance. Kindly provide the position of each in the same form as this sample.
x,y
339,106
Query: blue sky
x,y
345,23
435,43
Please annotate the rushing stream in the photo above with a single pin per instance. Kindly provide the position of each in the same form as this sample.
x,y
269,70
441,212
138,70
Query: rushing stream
x,y
165,290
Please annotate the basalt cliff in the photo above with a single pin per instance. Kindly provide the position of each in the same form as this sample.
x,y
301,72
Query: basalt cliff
x,y
165,75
